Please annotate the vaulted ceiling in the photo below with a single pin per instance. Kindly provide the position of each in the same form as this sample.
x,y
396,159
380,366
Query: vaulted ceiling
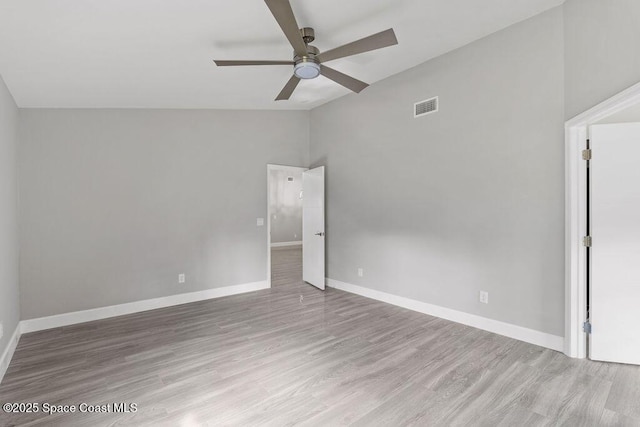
x,y
158,53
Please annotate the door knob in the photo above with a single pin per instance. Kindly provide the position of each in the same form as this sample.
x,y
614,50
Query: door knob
x,y
320,233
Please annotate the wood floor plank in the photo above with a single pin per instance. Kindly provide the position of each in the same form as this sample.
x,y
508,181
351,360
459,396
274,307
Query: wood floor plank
x,y
615,419
625,392
294,355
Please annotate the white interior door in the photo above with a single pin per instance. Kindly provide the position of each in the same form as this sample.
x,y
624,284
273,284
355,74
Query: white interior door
x,y
615,253
313,227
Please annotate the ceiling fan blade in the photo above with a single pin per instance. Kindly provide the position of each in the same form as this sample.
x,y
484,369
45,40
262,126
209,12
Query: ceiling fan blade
x,y
234,63
288,89
347,81
376,41
281,10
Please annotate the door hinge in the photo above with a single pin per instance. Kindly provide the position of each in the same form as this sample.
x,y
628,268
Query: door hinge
x,y
586,154
586,327
586,241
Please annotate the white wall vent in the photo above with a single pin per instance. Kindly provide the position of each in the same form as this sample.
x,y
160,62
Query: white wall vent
x,y
425,107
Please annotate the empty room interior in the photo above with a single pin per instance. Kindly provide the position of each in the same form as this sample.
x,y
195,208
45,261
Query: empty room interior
x,y
319,213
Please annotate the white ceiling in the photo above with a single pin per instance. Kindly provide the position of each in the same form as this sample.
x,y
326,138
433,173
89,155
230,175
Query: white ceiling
x,y
158,53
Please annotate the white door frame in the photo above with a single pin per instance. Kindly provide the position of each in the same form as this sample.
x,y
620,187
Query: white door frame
x,y
576,131
271,167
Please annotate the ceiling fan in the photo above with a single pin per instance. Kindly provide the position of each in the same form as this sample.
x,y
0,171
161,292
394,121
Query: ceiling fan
x,y
308,61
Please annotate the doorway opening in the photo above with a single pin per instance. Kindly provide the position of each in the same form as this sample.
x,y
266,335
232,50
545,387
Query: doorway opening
x,y
284,224
578,221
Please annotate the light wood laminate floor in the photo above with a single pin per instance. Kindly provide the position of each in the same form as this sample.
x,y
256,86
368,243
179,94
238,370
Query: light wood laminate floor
x,y
294,355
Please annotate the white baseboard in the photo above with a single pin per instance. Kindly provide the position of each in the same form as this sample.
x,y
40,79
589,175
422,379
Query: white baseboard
x,y
72,318
531,336
8,352
281,244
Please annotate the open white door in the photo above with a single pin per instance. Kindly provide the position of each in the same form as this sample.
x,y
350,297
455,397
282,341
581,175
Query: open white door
x,y
313,227
614,218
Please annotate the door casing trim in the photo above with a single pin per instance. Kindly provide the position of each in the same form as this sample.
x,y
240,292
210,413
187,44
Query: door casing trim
x,y
576,133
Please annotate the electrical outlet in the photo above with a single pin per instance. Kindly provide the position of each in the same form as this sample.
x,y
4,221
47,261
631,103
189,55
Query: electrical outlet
x,y
181,278
1,330
260,222
484,297
360,272
295,236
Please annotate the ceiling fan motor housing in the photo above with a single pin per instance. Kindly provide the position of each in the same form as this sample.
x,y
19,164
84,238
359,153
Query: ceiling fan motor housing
x,y
308,34
307,67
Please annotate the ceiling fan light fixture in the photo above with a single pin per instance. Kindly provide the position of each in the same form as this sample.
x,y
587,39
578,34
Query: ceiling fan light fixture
x,y
306,70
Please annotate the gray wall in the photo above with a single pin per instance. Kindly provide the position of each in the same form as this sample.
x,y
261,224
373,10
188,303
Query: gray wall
x,y
116,203
285,206
602,51
468,199
9,295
